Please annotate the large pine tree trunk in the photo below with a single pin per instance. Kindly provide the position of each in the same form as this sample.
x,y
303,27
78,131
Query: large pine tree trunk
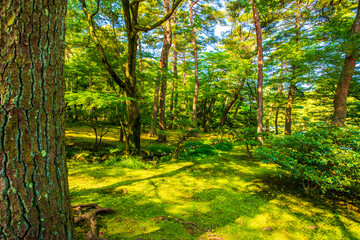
x,y
34,192
196,94
163,73
347,72
259,75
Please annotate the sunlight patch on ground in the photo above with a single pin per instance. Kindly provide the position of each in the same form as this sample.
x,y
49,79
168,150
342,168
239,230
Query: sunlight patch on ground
x,y
227,190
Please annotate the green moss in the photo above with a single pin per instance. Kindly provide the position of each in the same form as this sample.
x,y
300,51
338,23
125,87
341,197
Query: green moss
x,y
237,195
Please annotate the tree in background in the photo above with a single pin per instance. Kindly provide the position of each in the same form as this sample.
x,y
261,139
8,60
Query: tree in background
x,y
129,83
352,55
34,200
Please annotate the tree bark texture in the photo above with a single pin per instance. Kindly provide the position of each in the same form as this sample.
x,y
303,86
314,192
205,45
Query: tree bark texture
x,y
196,94
163,73
347,72
34,192
259,75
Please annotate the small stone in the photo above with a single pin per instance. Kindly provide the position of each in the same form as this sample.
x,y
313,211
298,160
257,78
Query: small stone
x,y
267,229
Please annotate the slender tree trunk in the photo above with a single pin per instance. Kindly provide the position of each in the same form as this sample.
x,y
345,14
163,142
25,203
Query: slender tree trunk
x,y
279,90
174,81
163,73
204,118
237,108
289,109
276,120
140,55
184,103
347,72
231,103
260,75
207,114
34,191
155,111
288,121
196,94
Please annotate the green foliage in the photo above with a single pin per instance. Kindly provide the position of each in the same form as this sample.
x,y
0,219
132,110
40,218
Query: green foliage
x,y
323,157
159,149
131,162
224,146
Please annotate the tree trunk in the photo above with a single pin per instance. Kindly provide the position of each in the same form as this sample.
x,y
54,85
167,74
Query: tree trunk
x,y
154,114
260,75
347,72
289,109
231,103
133,111
204,118
163,73
276,120
292,88
174,81
34,191
196,94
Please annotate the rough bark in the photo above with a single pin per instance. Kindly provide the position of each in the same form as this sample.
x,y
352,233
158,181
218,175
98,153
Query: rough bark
x,y
34,192
163,73
347,72
196,93
259,74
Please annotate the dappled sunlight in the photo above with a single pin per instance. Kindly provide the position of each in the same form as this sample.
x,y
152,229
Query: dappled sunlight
x,y
228,190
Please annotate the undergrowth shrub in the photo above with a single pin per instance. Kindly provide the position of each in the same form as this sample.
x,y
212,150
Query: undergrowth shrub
x,y
159,149
325,158
131,162
224,146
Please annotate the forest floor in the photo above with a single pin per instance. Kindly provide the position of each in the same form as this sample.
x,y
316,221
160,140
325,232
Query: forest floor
x,y
216,194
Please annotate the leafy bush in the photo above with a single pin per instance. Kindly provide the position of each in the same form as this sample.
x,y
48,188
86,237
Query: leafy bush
x,y
325,158
159,149
224,146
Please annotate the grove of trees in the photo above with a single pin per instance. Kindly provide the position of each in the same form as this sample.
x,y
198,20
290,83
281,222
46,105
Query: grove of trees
x,y
158,67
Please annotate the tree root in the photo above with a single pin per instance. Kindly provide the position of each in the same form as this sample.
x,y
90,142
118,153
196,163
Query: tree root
x,y
89,216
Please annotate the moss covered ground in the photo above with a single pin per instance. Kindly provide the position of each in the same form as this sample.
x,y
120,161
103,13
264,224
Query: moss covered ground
x,y
216,193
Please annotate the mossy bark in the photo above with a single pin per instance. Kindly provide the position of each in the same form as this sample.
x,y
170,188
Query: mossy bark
x,y
34,192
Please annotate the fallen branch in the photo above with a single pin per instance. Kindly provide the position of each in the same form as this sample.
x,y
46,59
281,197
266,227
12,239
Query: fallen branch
x,y
90,216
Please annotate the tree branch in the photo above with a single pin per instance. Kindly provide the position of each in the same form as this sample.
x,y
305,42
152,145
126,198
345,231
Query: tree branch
x,y
99,47
161,21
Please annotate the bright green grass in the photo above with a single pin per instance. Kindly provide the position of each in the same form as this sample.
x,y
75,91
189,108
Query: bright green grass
x,y
237,195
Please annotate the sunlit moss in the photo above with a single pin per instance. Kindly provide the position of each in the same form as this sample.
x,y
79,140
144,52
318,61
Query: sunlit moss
x,y
228,191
